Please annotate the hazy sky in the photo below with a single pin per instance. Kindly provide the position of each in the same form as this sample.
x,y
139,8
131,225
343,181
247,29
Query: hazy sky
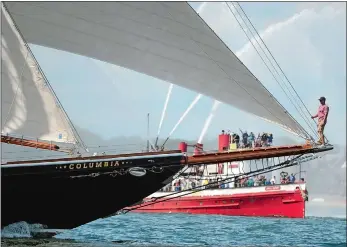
x,y
307,39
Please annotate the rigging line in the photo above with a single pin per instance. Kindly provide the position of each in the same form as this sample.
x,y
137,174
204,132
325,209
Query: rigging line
x,y
308,135
244,173
35,157
250,40
28,151
124,151
115,145
285,111
302,129
164,112
274,59
226,180
79,139
280,68
302,114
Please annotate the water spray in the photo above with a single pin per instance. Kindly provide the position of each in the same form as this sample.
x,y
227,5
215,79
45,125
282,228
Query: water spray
x,y
190,107
164,112
208,120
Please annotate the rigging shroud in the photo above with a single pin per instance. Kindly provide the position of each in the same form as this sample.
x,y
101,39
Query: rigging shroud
x,y
165,40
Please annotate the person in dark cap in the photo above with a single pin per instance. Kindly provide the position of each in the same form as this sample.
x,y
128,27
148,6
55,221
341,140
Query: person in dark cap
x,y
322,115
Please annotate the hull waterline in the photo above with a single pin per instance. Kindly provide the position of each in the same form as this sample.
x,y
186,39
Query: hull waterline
x,y
64,195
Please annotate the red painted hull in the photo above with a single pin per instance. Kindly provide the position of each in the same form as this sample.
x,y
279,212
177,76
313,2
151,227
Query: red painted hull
x,y
288,204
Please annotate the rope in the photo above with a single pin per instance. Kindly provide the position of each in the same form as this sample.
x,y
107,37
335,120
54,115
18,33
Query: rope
x,y
238,83
303,114
250,40
282,165
278,65
115,145
78,139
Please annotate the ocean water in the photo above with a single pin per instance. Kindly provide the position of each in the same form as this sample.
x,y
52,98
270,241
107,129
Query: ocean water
x,y
135,229
178,230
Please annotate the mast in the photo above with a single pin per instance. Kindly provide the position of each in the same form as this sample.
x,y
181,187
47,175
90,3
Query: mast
x,y
51,103
147,132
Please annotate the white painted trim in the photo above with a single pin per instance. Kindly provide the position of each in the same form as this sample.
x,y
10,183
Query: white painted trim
x,y
235,191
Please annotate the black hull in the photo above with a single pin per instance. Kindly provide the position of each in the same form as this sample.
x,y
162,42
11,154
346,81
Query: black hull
x,y
66,195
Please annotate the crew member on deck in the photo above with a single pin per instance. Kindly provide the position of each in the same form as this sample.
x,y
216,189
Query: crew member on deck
x,y
237,140
322,115
251,139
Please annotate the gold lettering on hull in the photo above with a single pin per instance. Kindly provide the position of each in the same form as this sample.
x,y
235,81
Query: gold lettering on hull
x,y
91,165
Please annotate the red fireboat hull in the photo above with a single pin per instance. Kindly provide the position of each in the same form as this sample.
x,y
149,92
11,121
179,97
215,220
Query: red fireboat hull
x,y
289,204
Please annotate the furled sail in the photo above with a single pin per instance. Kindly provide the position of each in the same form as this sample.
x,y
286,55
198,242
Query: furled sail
x,y
166,40
28,107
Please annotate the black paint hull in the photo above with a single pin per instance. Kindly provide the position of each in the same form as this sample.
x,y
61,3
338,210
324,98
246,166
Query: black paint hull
x,y
64,196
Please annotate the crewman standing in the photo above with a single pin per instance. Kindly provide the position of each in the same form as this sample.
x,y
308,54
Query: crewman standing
x,y
322,115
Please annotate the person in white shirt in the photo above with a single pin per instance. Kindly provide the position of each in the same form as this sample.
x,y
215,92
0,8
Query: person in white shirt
x,y
273,180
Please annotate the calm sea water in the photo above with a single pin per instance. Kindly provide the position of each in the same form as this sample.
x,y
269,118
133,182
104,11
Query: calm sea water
x,y
136,229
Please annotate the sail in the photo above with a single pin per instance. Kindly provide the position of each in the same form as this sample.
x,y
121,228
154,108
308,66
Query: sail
x,y
28,106
166,40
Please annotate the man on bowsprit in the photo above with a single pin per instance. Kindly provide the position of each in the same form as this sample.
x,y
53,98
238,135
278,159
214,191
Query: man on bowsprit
x,y
322,115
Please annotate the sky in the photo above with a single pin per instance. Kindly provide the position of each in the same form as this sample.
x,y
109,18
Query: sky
x,y
307,39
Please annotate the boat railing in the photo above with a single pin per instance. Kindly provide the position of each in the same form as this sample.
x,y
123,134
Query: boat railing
x,y
216,187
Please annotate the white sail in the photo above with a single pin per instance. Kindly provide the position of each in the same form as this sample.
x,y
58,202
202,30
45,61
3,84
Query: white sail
x,y
166,40
28,106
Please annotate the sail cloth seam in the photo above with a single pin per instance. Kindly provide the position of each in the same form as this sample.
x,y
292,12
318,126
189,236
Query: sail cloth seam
x,y
18,85
238,83
171,59
141,36
126,18
168,31
279,66
250,40
78,139
164,17
127,45
284,110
